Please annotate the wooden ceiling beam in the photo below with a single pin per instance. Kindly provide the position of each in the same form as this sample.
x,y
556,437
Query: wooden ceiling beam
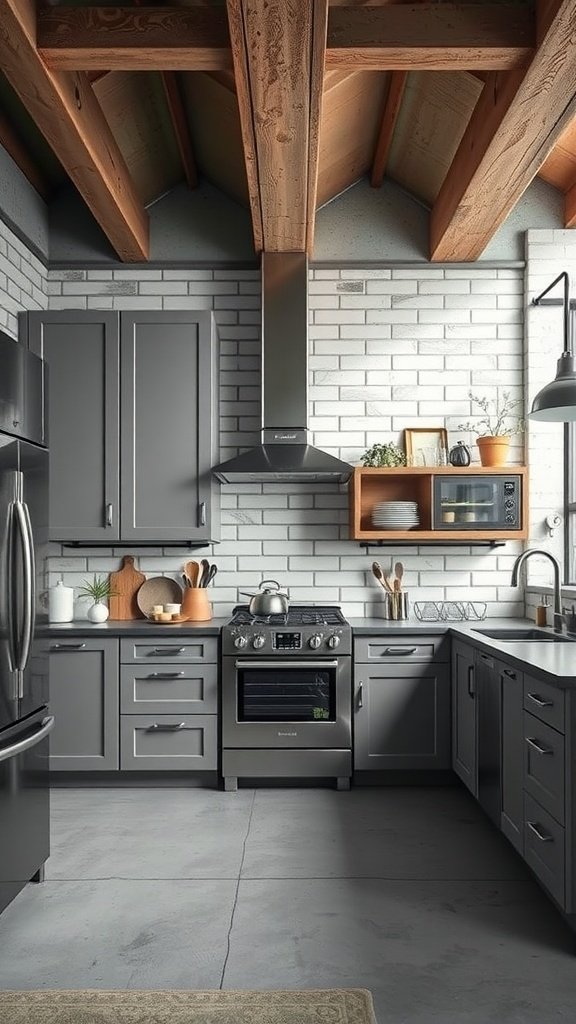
x,y
518,119
390,113
180,125
430,37
69,116
570,207
278,52
148,39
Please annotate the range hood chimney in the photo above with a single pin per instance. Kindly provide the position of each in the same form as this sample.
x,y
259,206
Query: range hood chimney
x,y
284,454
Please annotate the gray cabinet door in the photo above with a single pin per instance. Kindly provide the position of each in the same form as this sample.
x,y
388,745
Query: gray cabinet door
x,y
512,820
464,745
402,716
169,743
82,353
167,426
84,700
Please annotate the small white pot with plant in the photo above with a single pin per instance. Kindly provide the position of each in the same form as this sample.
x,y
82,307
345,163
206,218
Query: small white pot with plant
x,y
99,590
381,455
495,427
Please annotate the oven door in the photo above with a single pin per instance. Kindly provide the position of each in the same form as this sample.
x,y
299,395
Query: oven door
x,y
286,702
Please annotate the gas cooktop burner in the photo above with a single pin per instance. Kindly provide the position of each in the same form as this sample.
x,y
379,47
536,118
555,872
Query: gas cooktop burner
x,y
297,615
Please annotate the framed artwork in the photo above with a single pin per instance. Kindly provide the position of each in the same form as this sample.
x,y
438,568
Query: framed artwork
x,y
426,446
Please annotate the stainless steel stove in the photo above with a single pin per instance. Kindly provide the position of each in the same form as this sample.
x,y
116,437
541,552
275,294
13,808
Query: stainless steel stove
x,y
286,695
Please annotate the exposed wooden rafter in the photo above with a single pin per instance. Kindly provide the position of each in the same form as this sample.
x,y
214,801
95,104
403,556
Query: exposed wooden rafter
x,y
278,51
70,118
389,117
430,37
180,125
149,39
516,122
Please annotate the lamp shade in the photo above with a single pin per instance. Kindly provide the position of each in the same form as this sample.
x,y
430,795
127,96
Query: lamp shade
x,y
556,402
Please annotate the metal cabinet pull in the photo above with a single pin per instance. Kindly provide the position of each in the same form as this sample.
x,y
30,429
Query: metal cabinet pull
x,y
508,672
544,837
202,513
489,661
165,675
166,727
399,650
67,647
539,702
360,698
471,687
169,650
109,514
536,746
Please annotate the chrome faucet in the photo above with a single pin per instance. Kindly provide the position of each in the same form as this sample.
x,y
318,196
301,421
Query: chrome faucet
x,y
558,616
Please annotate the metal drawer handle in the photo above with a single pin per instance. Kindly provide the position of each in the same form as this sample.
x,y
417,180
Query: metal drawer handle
x,y
165,675
399,650
169,650
544,837
166,727
537,747
67,647
508,672
541,703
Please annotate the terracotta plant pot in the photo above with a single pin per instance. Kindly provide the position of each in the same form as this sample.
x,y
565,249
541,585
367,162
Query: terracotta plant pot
x,y
493,450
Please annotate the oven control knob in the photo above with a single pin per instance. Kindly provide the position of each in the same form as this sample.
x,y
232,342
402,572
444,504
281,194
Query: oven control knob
x,y
258,641
240,641
333,641
315,641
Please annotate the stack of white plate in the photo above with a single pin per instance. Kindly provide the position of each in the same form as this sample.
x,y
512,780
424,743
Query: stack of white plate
x,y
395,515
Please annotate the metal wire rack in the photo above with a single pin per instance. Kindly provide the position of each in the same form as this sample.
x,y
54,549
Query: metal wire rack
x,y
450,611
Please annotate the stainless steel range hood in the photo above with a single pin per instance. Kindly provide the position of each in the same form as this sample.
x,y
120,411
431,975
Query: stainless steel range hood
x,y
284,454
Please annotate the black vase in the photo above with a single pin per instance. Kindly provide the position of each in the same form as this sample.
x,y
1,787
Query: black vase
x,y
459,455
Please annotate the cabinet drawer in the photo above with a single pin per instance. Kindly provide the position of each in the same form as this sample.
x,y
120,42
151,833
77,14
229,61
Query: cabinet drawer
x,y
163,688
168,743
545,702
544,765
410,648
189,649
544,848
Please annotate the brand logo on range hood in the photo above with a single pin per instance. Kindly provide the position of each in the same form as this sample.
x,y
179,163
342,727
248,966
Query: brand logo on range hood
x,y
285,437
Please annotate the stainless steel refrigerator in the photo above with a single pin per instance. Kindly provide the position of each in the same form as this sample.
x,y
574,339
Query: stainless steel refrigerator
x,y
25,720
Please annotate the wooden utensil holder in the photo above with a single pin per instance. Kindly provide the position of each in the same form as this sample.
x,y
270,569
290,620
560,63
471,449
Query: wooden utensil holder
x,y
195,604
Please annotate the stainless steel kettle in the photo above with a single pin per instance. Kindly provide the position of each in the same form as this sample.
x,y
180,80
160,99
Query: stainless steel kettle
x,y
269,600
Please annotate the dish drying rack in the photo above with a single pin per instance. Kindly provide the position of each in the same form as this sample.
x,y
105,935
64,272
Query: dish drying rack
x,y
450,611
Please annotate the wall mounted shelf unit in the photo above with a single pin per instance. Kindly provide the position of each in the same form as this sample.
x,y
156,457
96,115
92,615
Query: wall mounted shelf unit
x,y
369,487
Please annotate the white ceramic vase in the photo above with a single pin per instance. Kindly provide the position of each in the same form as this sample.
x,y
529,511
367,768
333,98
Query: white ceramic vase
x,y
98,612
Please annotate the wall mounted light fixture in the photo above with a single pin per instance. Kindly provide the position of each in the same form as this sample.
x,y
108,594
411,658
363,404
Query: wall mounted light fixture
x,y
556,402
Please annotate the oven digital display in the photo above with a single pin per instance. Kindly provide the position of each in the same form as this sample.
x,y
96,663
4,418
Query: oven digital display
x,y
287,641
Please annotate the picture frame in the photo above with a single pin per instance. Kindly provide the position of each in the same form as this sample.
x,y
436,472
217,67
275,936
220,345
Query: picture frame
x,y
426,446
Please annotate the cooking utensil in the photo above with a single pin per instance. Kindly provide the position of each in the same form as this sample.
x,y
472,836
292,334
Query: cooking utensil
x,y
192,570
213,569
204,574
125,585
185,580
398,572
158,590
378,572
269,601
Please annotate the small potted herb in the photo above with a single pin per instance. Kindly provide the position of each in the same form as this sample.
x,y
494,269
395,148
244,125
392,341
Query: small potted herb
x,y
98,588
495,427
380,455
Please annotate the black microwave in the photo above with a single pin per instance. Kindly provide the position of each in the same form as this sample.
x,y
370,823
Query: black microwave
x,y
477,502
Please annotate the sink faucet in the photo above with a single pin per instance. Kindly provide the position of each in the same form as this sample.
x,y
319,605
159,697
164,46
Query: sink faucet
x,y
558,616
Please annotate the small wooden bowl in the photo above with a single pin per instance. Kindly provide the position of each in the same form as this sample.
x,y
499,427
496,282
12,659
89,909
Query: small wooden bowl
x,y
162,622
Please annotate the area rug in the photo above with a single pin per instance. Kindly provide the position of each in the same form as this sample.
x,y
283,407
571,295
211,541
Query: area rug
x,y
315,1006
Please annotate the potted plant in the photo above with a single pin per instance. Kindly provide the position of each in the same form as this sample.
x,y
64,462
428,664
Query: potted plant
x,y
495,427
99,590
380,455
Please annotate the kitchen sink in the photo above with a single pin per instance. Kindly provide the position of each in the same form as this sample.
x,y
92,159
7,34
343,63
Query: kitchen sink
x,y
525,634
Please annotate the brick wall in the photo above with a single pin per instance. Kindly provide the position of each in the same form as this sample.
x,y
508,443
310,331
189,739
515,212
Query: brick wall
x,y
389,349
23,281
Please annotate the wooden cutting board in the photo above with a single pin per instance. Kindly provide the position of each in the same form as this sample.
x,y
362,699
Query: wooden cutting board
x,y
126,583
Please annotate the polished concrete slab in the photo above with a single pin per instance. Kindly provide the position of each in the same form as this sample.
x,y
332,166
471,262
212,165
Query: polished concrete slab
x,y
408,892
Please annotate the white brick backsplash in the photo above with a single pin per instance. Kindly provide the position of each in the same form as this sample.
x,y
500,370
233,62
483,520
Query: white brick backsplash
x,y
23,281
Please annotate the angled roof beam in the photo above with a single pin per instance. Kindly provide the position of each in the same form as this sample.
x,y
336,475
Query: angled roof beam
x,y
278,52
390,113
148,39
430,37
518,119
69,116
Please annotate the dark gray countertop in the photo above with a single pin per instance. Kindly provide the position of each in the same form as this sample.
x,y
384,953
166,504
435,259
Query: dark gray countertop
x,y
135,627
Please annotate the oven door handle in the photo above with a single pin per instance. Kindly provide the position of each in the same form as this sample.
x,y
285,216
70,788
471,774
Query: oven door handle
x,y
287,664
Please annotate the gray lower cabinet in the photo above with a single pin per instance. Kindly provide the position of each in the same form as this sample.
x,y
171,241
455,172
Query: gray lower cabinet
x,y
512,816
133,409
402,711
160,688
464,716
168,742
84,702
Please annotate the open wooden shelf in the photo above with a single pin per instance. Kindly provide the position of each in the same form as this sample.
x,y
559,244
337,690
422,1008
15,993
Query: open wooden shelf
x,y
414,483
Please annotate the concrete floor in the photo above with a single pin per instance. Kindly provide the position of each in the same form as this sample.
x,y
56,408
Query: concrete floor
x,y
408,892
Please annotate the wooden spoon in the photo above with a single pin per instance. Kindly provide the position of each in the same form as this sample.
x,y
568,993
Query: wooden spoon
x,y
192,570
398,572
378,572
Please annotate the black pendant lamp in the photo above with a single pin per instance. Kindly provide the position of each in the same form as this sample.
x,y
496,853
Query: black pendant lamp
x,y
556,402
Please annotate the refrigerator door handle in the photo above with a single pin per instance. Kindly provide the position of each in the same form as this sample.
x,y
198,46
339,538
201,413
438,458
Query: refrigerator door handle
x,y
10,597
20,746
23,520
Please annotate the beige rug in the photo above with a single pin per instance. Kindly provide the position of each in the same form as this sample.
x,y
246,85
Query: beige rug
x,y
315,1006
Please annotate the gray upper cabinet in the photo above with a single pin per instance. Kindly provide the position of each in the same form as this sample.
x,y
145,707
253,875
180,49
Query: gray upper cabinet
x,y
133,411
81,350
464,718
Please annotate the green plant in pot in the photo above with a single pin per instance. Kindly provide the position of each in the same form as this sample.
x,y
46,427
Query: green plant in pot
x,y
497,424
384,455
99,589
